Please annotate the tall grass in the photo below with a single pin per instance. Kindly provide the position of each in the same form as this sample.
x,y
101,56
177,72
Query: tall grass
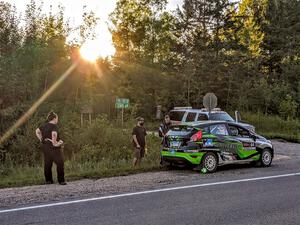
x,y
274,126
103,149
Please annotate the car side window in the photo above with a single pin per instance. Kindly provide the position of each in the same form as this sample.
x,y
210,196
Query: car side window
x,y
191,117
234,131
239,131
243,132
219,129
176,115
202,117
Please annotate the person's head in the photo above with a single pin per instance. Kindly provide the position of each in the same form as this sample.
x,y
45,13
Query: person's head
x,y
140,121
52,117
167,119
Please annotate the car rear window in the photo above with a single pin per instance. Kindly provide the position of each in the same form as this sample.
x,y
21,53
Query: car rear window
x,y
220,116
176,115
180,130
190,117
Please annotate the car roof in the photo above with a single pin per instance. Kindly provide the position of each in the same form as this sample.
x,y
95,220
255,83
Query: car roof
x,y
204,122
196,111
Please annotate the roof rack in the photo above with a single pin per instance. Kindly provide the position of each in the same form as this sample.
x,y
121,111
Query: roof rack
x,y
214,109
217,109
184,107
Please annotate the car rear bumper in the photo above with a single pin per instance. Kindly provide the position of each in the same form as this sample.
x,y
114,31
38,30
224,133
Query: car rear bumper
x,y
181,157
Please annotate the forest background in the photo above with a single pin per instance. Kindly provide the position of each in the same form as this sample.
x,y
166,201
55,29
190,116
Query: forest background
x,y
246,52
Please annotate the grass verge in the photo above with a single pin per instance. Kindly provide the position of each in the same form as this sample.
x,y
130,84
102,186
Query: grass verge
x,y
100,155
25,176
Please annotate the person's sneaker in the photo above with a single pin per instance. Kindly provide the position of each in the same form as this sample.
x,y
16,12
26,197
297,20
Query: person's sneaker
x,y
48,182
62,183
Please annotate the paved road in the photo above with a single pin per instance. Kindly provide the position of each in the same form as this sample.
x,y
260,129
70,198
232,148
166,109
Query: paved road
x,y
273,201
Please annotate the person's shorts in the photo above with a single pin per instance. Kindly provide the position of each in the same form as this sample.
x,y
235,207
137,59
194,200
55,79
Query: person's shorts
x,y
139,153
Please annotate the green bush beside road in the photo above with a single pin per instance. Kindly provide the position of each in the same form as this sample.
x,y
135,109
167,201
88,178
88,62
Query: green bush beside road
x,y
102,149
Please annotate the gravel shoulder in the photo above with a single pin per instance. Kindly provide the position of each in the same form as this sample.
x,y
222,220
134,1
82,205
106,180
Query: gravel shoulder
x,y
287,159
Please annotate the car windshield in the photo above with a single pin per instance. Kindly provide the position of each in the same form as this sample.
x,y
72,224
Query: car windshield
x,y
176,115
221,116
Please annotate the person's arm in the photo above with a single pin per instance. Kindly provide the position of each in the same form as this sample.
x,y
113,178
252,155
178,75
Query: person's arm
x,y
161,131
136,141
54,138
38,133
146,148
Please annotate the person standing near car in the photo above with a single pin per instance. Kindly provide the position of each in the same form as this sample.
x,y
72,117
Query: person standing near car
x,y
164,128
139,141
51,145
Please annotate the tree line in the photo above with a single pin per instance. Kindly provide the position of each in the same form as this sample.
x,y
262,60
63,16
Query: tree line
x,y
246,52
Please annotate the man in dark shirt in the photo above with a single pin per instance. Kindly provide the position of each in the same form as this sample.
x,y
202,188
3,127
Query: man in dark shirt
x,y
51,145
139,141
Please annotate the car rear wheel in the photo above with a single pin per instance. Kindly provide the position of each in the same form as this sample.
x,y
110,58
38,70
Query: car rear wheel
x,y
209,162
266,158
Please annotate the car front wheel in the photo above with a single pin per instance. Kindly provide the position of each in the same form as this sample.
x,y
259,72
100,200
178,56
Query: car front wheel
x,y
209,162
266,158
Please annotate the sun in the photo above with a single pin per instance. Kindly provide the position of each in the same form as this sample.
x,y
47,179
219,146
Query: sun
x,y
91,50
99,47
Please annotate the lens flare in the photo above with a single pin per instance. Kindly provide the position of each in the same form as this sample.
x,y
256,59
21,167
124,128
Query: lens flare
x,y
34,107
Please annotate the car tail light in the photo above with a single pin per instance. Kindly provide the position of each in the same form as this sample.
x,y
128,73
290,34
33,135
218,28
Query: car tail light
x,y
197,136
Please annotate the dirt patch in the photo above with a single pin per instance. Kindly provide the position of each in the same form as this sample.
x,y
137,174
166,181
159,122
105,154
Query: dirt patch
x,y
54,192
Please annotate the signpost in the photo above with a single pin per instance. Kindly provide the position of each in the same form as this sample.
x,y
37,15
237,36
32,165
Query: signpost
x,y
122,103
210,101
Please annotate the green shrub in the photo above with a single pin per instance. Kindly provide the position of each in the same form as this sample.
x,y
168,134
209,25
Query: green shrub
x,y
288,108
105,142
274,126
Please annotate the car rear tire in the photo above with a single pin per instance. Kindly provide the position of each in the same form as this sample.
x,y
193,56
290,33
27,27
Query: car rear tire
x,y
266,158
209,162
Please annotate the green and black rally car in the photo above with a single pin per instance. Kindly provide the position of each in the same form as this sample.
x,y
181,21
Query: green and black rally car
x,y
211,143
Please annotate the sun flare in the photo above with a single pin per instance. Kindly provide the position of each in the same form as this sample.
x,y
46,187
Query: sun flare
x,y
91,50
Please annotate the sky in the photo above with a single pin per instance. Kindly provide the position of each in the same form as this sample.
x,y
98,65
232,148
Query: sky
x,y
74,10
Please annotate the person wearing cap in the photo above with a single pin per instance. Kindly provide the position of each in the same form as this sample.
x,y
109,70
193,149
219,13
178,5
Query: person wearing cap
x,y
48,135
139,141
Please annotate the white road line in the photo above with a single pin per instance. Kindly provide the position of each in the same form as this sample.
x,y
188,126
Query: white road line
x,y
148,192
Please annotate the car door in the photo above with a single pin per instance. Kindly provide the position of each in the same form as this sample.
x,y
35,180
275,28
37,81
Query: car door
x,y
247,148
228,147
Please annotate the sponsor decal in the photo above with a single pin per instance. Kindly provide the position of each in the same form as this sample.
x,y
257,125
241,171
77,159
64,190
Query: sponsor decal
x,y
204,170
208,143
249,145
175,144
227,147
